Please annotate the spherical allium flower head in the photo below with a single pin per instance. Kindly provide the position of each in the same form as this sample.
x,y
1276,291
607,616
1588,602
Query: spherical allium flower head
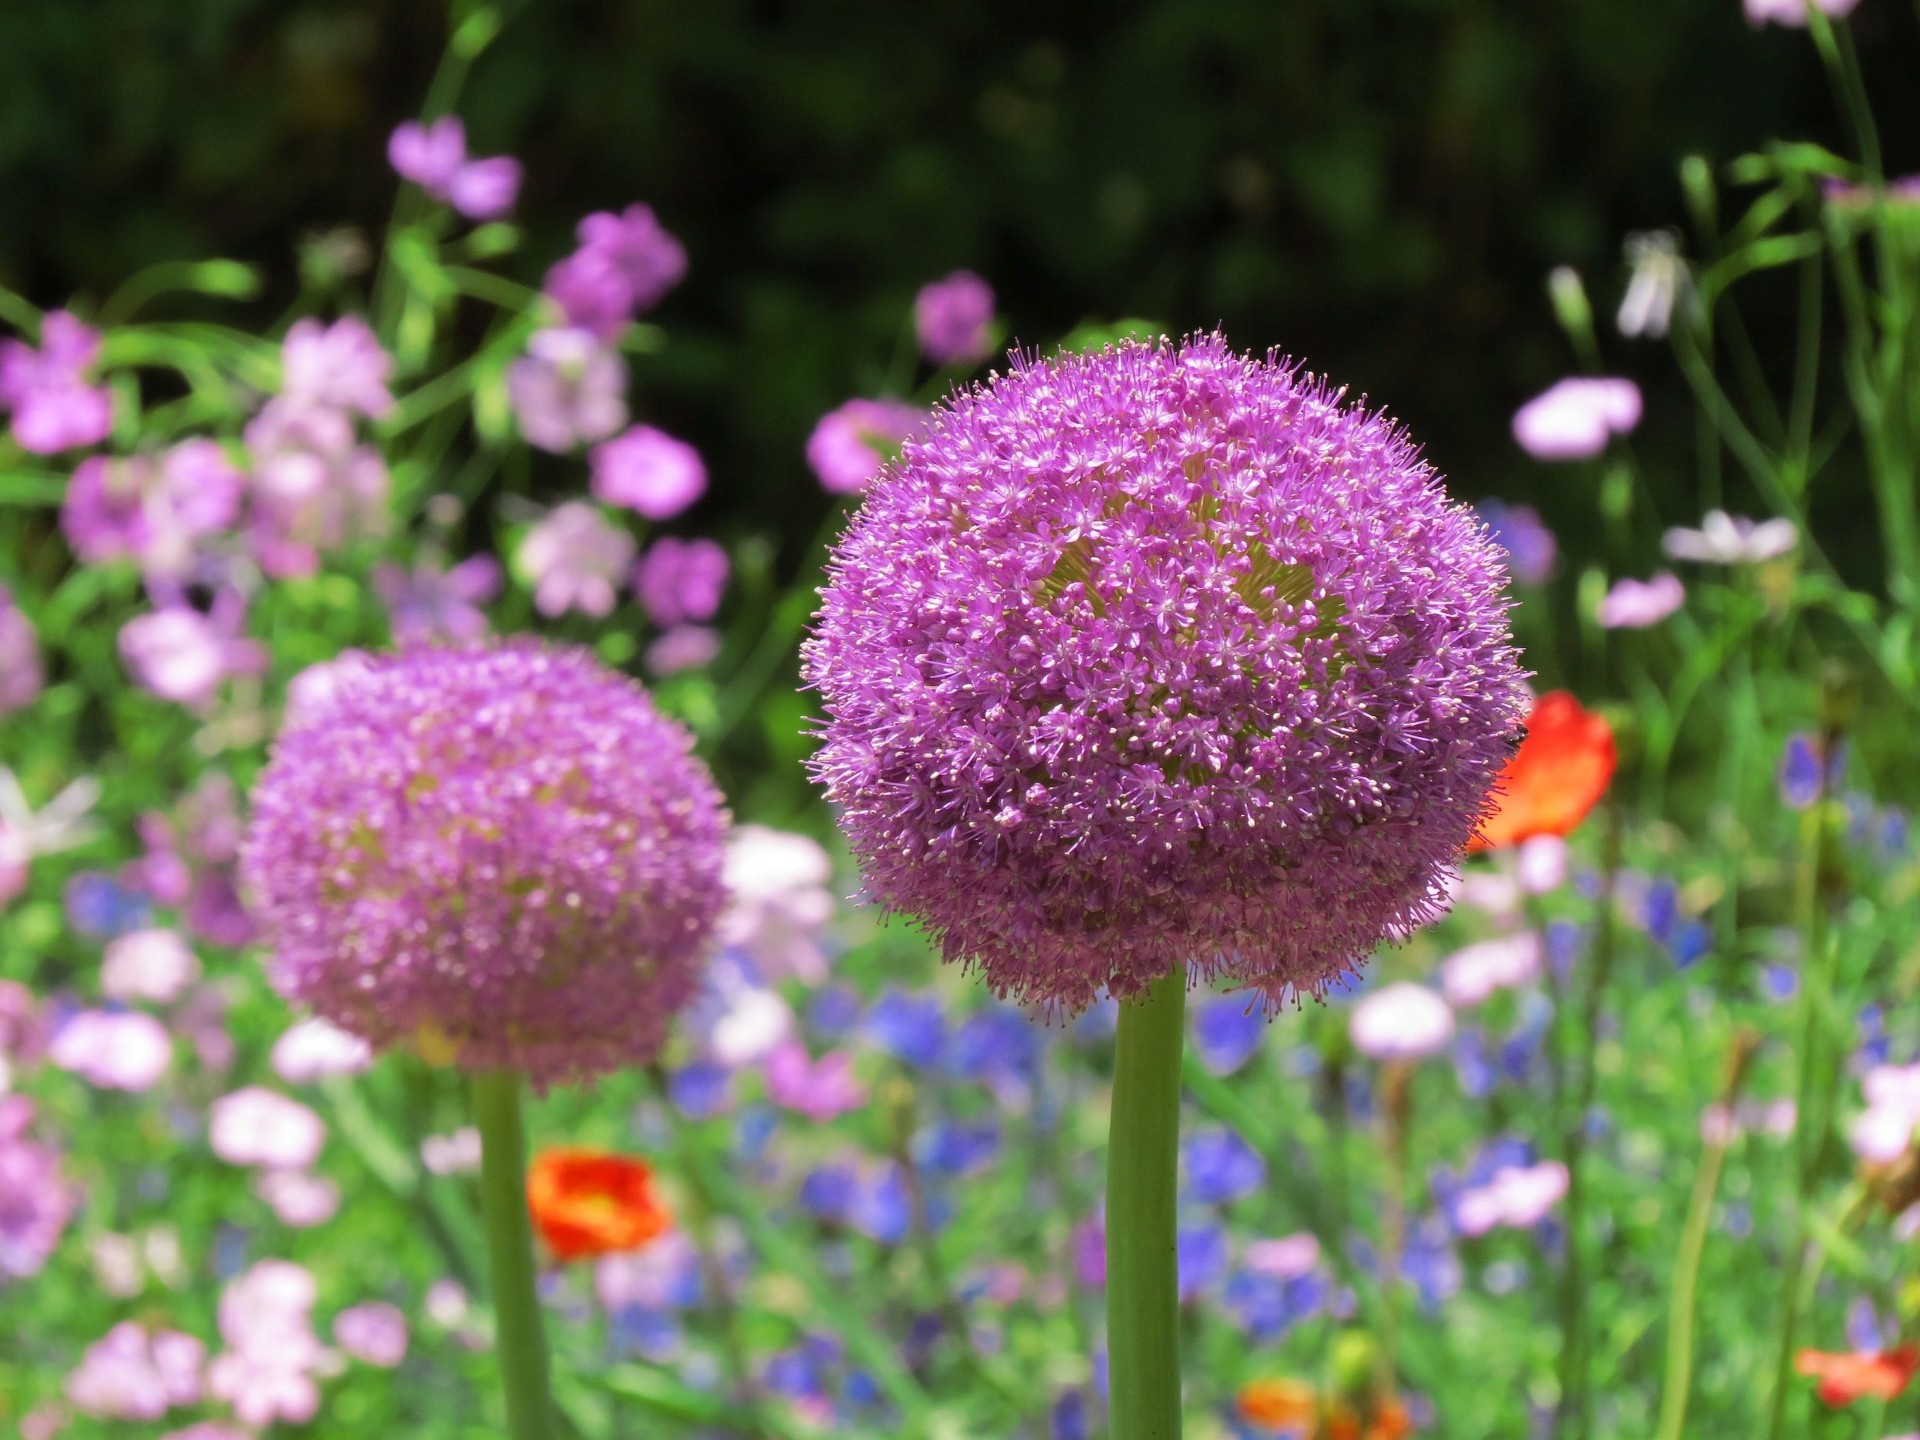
x,y
1161,656
499,851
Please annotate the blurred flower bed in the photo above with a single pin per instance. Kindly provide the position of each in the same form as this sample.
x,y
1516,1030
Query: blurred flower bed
x,y
1623,1146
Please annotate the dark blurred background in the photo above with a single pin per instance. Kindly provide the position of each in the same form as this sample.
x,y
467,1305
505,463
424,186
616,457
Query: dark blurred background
x,y
1378,186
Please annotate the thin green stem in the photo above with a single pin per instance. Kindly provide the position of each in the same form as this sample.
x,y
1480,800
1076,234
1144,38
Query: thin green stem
x,y
1143,1299
521,1339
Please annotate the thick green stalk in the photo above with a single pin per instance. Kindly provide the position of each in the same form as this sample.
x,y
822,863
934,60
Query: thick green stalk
x,y
521,1340
1143,1300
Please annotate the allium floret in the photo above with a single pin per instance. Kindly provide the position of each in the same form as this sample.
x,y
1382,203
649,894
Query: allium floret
x,y
1161,655
500,852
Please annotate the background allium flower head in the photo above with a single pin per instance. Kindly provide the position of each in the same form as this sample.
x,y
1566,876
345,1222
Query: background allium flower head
x,y
649,472
951,317
151,509
1576,418
568,389
54,408
680,580
1160,656
849,445
503,846
21,675
575,560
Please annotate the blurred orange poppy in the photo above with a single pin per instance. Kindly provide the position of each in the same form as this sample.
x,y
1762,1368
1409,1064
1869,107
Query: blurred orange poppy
x,y
1866,1375
1556,776
592,1202
1294,1406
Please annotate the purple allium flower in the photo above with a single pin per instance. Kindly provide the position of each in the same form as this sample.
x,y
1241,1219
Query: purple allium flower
x,y
574,560
53,407
315,488
639,249
680,580
567,390
649,472
684,647
1518,530
1574,419
951,317
849,445
1161,656
1637,604
20,674
150,509
336,367
428,603
459,847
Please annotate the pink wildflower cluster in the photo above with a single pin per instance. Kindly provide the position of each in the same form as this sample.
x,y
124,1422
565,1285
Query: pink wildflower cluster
x,y
434,157
53,404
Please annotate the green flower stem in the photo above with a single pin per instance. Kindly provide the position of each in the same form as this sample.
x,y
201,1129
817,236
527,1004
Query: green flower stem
x,y
521,1340
1676,1386
1143,1301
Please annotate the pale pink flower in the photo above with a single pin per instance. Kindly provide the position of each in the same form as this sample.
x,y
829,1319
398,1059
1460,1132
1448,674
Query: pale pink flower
x,y
130,1374
266,1374
1473,974
1884,1132
752,1023
116,1264
129,1051
184,656
53,407
819,1089
455,1154
26,833
1287,1258
1636,604
256,1126
575,560
1517,1195
35,1203
1575,418
375,1333
1793,12
153,965
339,366
314,1048
1402,1021
568,389
650,1277
315,487
299,1200
1724,539
684,647
779,902
850,444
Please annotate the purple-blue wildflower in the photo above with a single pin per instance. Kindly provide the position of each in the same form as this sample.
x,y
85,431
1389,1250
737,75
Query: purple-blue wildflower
x,y
1161,656
458,847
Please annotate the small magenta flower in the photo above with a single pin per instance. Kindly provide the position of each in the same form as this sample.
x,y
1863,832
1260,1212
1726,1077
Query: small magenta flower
x,y
35,1201
684,647
568,390
575,560
649,472
182,655
485,189
374,1333
1793,13
819,1089
1157,657
951,318
21,676
1576,418
151,509
638,246
315,488
428,603
680,580
434,157
592,293
1638,604
849,445
54,408
501,853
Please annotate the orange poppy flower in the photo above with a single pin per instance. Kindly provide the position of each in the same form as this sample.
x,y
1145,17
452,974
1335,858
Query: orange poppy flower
x,y
1867,1375
1556,776
1279,1404
592,1202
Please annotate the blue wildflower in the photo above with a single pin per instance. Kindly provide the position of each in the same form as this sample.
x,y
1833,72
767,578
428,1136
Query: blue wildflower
x,y
954,1149
1221,1167
833,1011
882,1206
701,1090
1201,1251
827,1193
1068,1420
1226,1032
908,1027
